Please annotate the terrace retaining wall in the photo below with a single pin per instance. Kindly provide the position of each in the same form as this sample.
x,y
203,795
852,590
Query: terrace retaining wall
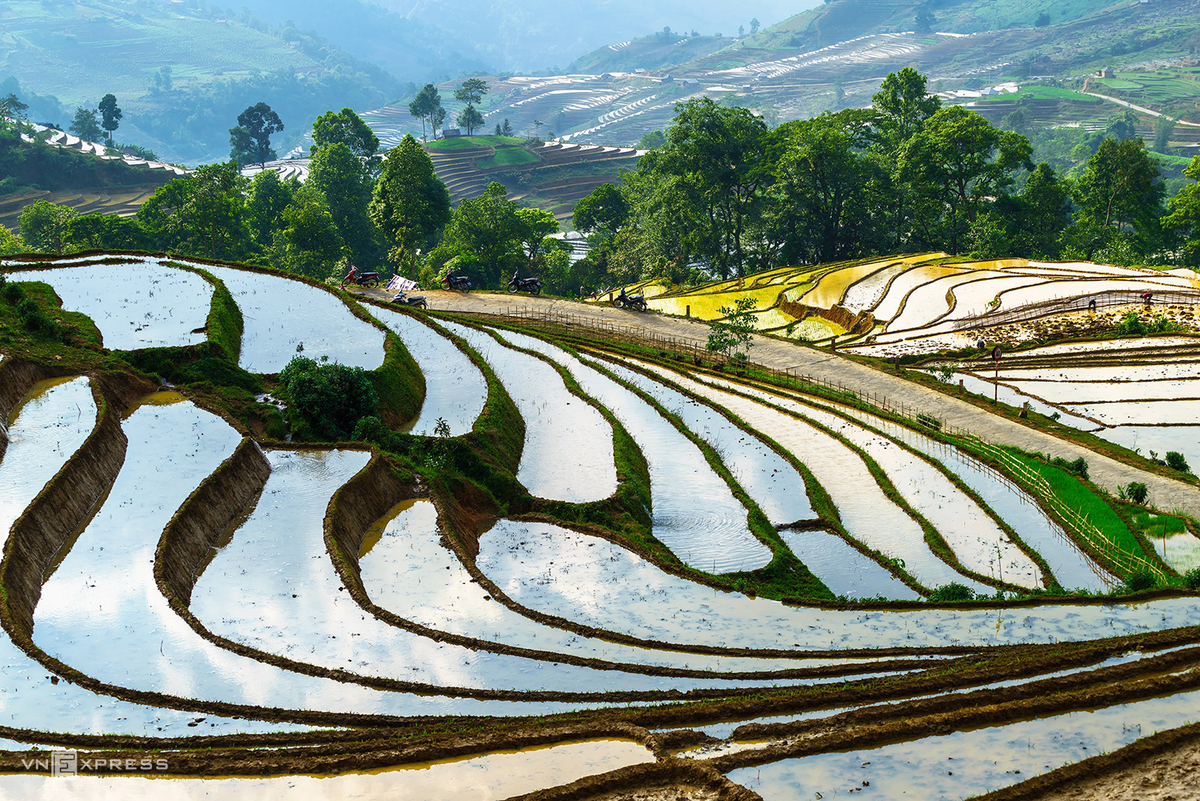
x,y
358,505
861,323
58,513
188,540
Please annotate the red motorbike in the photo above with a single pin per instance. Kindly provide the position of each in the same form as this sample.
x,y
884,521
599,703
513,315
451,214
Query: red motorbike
x,y
356,276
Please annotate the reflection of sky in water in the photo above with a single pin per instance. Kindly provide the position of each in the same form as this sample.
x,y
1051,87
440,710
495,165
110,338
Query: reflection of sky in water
x,y
139,305
276,572
592,581
843,569
409,572
455,390
695,513
102,613
972,535
568,452
479,778
767,477
53,422
279,314
968,763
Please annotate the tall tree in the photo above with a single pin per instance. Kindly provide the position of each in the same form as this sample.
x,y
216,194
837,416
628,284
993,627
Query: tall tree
x,y
110,114
106,232
471,91
85,125
201,214
1120,187
427,106
307,241
250,141
903,104
1185,215
961,161
348,128
720,157
489,230
602,213
535,227
1043,215
44,226
346,183
265,201
410,204
470,118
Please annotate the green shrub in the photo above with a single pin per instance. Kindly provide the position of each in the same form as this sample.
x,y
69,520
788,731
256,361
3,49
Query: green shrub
x,y
1131,324
1175,461
13,293
1134,491
1079,466
1142,580
952,592
1191,579
331,397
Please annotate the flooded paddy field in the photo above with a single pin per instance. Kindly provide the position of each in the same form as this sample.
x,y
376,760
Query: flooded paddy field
x,y
486,615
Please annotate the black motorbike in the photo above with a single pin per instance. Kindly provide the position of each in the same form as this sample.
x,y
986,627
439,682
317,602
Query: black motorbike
x,y
355,276
404,299
460,282
530,285
635,302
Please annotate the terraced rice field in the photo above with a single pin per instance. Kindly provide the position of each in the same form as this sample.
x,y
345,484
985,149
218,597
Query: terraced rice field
x,y
572,562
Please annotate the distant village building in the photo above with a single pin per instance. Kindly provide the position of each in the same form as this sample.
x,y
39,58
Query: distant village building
x,y
1107,72
639,71
448,133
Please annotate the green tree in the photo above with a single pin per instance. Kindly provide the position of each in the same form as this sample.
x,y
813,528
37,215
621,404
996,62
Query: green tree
x,y
1044,214
903,105
85,125
331,398
1164,129
106,232
1185,215
603,212
348,128
719,156
470,118
10,243
1120,187
651,140
346,183
250,141
427,107
43,226
202,214
471,91
535,227
823,187
410,204
962,161
110,114
733,334
307,241
488,229
266,199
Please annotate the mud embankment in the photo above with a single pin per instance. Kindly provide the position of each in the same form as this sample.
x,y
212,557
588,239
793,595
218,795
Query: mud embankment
x,y
188,541
56,515
17,377
652,780
357,506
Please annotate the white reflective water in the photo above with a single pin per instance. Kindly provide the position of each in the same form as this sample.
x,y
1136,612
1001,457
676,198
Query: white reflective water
x,y
844,570
455,390
589,580
695,513
279,314
972,762
776,486
136,305
568,452
409,572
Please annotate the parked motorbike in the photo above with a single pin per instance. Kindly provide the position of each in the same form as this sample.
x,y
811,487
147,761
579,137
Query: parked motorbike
x,y
519,284
635,302
356,276
460,282
404,299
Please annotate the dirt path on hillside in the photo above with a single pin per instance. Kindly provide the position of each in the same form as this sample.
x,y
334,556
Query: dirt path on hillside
x,y
1165,493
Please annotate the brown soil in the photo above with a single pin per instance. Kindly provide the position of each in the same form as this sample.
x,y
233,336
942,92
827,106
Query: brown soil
x,y
1171,775
1078,325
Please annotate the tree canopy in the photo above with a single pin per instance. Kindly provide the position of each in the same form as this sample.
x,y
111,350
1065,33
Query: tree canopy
x,y
410,204
250,141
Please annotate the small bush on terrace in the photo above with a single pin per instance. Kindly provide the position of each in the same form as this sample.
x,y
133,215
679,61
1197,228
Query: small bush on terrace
x,y
1191,579
1142,580
1079,466
331,398
1134,491
952,592
1176,461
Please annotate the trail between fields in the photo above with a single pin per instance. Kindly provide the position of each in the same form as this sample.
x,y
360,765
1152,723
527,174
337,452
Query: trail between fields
x,y
1164,493
1142,109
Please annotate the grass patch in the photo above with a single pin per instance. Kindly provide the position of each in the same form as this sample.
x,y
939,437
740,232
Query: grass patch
x,y
468,142
507,157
